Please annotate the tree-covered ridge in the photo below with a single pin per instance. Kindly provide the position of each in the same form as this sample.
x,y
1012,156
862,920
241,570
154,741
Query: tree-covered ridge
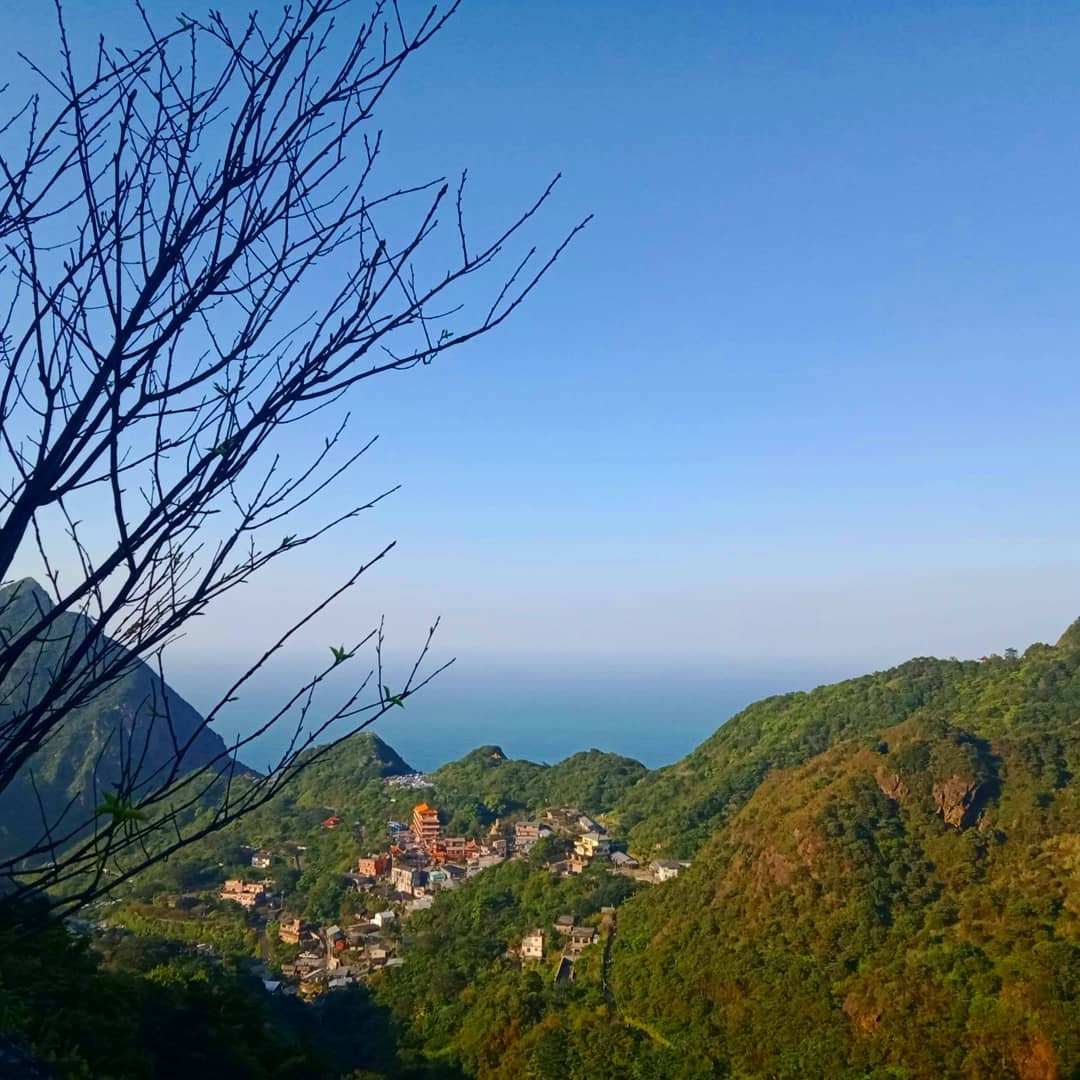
x,y
675,809
590,780
904,904
334,776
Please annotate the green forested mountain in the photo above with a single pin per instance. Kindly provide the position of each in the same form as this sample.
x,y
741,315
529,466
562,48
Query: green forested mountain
x,y
333,778
903,903
675,809
590,780
82,758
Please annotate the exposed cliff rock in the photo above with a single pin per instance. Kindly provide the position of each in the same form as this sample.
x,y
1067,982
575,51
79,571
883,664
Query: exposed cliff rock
x,y
955,799
892,785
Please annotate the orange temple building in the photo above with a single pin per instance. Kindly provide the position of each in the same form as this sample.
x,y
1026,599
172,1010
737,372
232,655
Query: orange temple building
x,y
425,825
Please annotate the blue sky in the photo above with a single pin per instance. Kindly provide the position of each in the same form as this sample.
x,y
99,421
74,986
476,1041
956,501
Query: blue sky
x,y
805,390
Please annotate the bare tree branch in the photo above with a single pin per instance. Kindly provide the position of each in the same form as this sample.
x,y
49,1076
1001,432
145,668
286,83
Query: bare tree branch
x,y
157,221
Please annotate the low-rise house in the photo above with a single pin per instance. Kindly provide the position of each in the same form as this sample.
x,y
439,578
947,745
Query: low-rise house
x,y
436,879
592,845
532,945
581,937
406,879
564,924
449,877
342,975
666,869
483,862
358,932
421,903
309,961
374,866
261,860
245,893
290,931
623,862
587,824
450,848
576,864
526,833
335,939
383,919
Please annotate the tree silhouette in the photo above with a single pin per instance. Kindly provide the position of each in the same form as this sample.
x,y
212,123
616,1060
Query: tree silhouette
x,y
158,212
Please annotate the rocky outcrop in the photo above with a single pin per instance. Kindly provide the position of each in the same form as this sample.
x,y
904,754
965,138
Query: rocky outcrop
x,y
955,799
891,784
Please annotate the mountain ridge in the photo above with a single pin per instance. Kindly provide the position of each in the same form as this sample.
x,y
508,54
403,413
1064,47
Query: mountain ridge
x,y
83,756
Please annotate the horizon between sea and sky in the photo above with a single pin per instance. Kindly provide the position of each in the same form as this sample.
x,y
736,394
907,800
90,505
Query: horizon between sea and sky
x,y
799,403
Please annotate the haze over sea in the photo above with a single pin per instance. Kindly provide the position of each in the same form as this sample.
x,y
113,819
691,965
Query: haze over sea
x,y
543,712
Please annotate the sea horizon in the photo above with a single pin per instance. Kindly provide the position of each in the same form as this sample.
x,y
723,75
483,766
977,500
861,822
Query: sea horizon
x,y
542,710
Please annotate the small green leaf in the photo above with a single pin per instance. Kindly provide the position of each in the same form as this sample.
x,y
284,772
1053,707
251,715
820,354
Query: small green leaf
x,y
120,809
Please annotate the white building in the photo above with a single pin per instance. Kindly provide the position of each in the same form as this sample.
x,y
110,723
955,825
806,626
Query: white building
x,y
532,945
666,869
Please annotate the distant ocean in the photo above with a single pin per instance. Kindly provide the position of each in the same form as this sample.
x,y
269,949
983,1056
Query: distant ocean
x,y
543,712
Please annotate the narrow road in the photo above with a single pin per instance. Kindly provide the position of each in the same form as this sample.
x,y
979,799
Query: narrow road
x,y
605,982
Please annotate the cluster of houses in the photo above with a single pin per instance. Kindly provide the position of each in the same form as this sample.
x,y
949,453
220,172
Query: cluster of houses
x,y
421,860
333,957
409,781
574,940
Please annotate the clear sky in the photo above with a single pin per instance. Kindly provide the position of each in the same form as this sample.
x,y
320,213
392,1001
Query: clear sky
x,y
805,391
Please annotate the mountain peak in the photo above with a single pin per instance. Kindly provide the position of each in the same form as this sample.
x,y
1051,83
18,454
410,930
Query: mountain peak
x,y
1071,638
23,589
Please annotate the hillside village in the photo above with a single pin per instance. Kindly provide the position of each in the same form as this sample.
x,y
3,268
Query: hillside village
x,y
404,875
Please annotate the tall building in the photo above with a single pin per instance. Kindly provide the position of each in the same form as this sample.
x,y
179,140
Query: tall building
x,y
425,825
